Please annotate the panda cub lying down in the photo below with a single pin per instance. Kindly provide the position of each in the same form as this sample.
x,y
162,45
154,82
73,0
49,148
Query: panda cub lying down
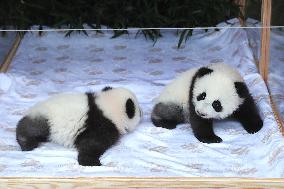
x,y
200,95
91,122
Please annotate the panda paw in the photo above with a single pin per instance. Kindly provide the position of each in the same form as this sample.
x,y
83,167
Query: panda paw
x,y
254,127
209,139
88,161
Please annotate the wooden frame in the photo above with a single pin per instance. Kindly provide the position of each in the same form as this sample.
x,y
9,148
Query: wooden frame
x,y
265,54
139,182
156,182
265,39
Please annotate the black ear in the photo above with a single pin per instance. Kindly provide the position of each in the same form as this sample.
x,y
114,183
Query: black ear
x,y
242,89
107,88
130,108
203,71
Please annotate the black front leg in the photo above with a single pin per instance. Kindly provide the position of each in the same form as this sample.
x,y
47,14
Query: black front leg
x,y
203,130
89,151
89,159
247,113
92,145
248,116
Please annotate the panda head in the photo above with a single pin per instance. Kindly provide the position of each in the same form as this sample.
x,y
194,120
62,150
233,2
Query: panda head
x,y
120,106
216,92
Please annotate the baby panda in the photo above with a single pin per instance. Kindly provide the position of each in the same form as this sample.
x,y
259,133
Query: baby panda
x,y
90,122
200,95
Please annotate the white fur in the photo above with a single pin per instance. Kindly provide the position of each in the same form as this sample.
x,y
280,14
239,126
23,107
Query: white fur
x,y
177,91
218,85
67,113
112,103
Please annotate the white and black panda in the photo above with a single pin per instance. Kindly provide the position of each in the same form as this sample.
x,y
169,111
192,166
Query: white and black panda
x,y
200,95
90,122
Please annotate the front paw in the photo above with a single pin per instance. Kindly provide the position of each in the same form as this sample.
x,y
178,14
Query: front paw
x,y
88,161
209,139
254,127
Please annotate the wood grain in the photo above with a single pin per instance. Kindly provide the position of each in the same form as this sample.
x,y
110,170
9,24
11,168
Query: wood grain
x,y
276,114
138,182
9,57
265,39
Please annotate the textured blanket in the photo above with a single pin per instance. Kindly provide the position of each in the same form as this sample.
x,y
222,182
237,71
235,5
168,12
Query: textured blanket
x,y
50,64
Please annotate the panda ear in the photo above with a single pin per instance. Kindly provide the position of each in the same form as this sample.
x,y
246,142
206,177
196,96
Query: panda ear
x,y
242,89
203,71
107,88
130,108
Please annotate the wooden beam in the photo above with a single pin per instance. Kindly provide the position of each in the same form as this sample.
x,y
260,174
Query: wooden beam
x,y
139,182
265,39
276,114
265,55
9,57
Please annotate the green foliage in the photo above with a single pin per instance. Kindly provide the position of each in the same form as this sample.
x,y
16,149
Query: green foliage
x,y
22,14
253,9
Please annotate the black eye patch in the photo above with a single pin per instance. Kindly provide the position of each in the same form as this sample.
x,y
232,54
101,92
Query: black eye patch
x,y
217,106
130,108
201,96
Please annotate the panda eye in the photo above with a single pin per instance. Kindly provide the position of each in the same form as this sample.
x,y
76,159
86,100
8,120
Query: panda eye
x,y
201,96
217,106
130,108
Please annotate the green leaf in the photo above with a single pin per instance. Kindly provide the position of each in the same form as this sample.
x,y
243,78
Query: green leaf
x,y
181,38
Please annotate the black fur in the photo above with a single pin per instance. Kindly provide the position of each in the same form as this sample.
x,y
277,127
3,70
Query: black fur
x,y
202,72
99,135
106,88
247,114
170,115
130,108
31,132
202,128
167,115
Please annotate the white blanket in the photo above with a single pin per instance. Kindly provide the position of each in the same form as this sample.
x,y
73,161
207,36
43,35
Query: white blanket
x,y
52,63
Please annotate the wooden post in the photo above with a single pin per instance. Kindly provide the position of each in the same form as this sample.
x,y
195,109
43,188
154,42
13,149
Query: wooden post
x,y
265,39
265,55
9,57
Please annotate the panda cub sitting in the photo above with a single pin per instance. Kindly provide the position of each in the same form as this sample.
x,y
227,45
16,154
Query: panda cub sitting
x,y
200,95
90,122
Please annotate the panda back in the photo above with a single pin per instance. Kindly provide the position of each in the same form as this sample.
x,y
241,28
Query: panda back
x,y
177,91
66,115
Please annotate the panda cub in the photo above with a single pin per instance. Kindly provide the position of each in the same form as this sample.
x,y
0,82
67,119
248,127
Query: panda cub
x,y
90,122
200,95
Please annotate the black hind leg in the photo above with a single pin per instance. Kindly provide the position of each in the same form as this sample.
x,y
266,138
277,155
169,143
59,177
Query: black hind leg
x,y
31,132
167,115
